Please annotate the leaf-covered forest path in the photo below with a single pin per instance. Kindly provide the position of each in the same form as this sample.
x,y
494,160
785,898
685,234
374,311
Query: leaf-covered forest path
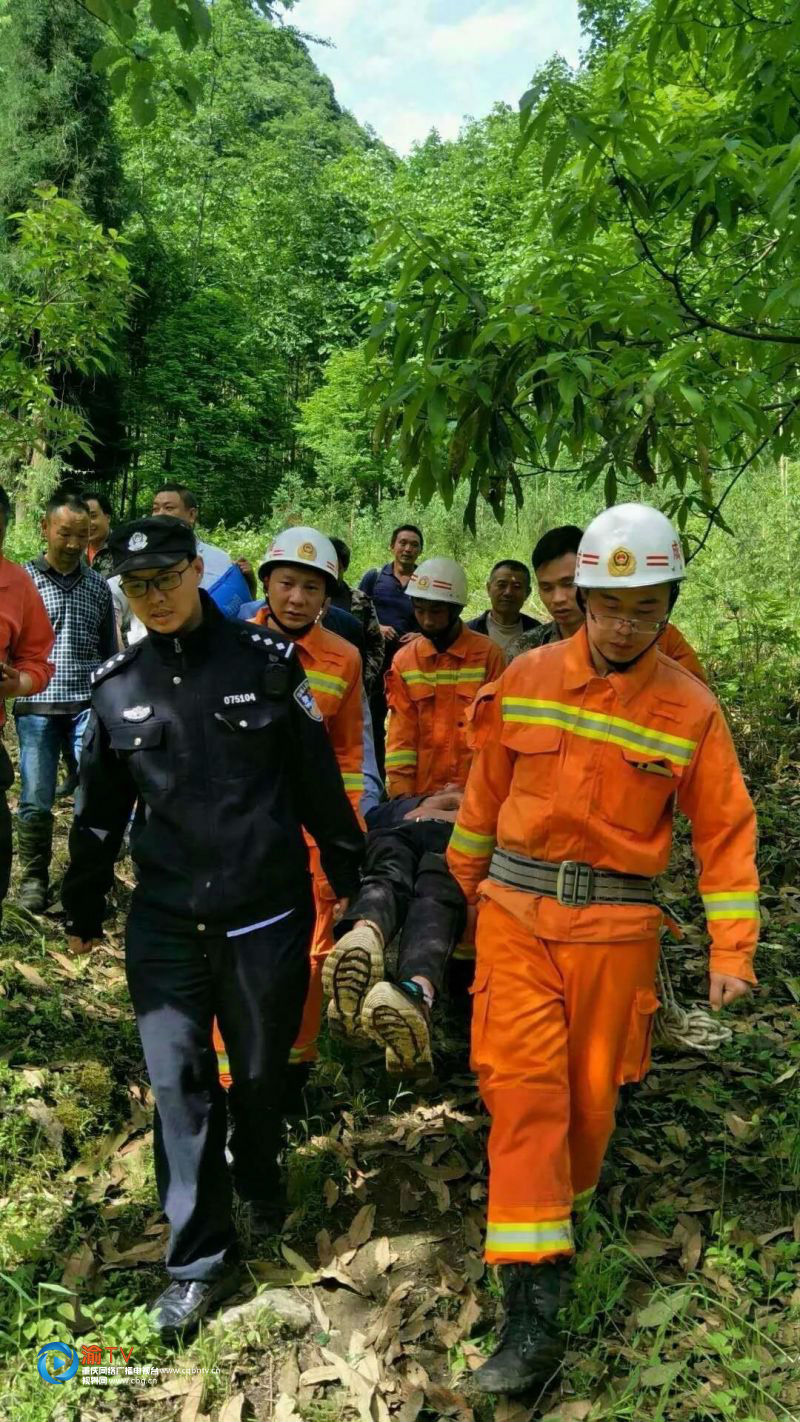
x,y
687,1303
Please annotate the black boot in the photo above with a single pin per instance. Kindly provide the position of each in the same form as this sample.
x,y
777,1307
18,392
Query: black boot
x,y
177,1312
35,844
531,1342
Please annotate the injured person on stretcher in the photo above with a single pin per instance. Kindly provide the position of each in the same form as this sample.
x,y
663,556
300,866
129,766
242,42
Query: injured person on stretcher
x,y
406,890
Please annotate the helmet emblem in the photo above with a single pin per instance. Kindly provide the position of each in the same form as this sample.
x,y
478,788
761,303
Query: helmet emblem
x,y
676,552
423,582
621,563
137,541
307,552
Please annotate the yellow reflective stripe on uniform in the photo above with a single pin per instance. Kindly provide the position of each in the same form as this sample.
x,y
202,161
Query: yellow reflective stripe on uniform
x,y
296,1054
597,727
529,1237
478,846
400,757
464,952
352,780
444,677
729,904
222,1062
324,681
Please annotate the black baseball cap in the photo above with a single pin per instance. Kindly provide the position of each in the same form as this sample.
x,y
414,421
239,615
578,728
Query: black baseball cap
x,y
158,541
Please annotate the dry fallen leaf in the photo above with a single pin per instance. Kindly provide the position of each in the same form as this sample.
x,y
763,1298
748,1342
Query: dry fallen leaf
x,y
193,1400
362,1226
569,1412
30,975
321,1316
314,1377
689,1235
741,1129
648,1246
150,1251
324,1247
446,1403
285,1410
412,1406
385,1255
231,1409
510,1410
330,1193
79,1266
288,1379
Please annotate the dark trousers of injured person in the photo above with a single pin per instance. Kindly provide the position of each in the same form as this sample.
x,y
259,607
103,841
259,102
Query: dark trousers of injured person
x,y
254,980
406,887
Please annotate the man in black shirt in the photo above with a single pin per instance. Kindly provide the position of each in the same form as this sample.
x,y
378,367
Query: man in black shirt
x,y
211,727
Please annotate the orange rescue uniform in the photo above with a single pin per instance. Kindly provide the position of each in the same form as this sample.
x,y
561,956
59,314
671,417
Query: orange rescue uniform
x,y
429,695
574,766
674,645
333,668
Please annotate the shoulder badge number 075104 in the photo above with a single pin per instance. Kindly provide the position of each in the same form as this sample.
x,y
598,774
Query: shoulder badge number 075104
x,y
304,697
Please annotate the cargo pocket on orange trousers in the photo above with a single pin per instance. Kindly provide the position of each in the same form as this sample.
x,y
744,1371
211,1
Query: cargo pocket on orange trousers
x,y
635,1059
479,992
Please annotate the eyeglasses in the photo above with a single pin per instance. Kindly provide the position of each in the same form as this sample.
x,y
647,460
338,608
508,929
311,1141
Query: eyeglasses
x,y
164,582
613,623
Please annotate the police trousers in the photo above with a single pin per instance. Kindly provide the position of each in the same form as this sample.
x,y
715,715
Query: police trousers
x,y
254,979
557,1028
407,888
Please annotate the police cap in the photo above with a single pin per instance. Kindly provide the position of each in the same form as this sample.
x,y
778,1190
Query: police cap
x,y
159,541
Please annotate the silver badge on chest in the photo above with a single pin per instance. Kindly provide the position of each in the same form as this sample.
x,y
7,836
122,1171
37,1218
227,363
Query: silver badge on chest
x,y
137,713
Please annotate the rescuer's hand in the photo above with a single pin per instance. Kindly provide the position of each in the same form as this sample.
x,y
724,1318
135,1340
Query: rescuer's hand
x,y
724,989
76,945
442,806
340,909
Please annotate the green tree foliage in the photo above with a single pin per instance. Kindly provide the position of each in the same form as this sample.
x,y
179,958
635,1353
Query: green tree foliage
x,y
55,129
336,426
241,241
647,333
60,311
138,64
54,112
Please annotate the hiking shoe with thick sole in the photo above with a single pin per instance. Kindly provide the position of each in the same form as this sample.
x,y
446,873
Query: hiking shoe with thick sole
x,y
397,1016
349,971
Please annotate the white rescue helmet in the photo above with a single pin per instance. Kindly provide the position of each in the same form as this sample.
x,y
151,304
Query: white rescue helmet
x,y
629,546
439,580
307,548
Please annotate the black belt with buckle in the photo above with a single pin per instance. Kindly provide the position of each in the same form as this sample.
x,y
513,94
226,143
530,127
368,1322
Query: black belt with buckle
x,y
572,883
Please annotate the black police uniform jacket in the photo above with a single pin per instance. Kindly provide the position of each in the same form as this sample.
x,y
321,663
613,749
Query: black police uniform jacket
x,y
218,737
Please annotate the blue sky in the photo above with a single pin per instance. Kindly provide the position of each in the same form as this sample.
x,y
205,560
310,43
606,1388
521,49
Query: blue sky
x,y
406,66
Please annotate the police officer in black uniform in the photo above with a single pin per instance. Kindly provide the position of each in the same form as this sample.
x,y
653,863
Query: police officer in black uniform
x,y
208,726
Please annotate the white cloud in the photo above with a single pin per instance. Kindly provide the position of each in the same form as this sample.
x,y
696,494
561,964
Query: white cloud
x,y
408,68
489,33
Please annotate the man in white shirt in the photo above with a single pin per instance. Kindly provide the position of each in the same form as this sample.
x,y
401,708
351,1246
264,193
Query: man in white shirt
x,y
179,502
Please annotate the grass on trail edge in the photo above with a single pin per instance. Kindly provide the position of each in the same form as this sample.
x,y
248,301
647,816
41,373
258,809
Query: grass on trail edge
x,y
687,1302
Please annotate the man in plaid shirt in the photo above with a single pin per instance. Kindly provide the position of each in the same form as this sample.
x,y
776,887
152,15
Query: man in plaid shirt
x,y
79,605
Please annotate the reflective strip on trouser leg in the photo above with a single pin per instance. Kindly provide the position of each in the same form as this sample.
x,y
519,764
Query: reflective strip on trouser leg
x,y
223,1065
528,1240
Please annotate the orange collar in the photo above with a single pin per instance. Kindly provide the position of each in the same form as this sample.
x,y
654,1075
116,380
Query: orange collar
x,y
459,648
579,668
